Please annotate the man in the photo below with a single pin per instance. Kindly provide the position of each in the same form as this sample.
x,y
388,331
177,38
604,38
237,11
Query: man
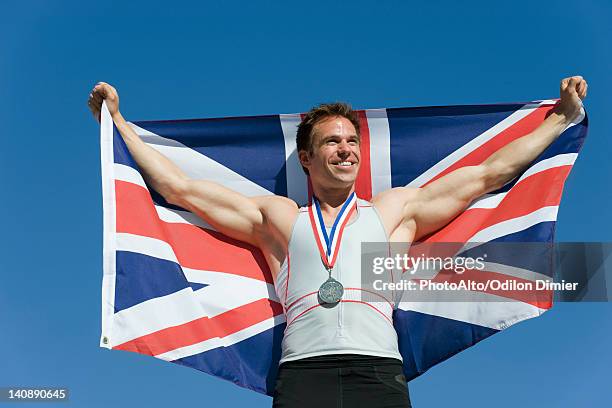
x,y
337,348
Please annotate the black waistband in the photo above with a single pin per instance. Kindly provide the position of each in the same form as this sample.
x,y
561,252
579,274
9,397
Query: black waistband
x,y
340,360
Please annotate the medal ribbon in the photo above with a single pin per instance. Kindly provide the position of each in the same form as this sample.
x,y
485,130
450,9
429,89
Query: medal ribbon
x,y
329,250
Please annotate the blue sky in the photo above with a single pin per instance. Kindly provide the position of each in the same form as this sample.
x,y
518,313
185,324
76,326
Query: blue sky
x,y
230,59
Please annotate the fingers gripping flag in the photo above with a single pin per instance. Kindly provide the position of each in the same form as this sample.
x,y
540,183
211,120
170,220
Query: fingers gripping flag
x,y
176,289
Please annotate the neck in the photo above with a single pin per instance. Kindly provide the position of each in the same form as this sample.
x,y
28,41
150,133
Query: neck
x,y
331,199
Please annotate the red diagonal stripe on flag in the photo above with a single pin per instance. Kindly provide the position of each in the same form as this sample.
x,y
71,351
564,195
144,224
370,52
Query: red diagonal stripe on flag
x,y
538,298
194,247
521,128
203,329
524,198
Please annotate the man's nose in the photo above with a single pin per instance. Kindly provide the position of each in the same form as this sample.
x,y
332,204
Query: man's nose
x,y
344,148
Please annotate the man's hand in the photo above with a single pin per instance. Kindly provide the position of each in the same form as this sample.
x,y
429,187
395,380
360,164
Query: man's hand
x,y
573,91
103,92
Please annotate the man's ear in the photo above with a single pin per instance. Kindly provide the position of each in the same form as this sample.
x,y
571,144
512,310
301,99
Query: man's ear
x,y
304,158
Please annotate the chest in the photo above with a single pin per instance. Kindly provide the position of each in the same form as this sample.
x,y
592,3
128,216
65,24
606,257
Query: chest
x,y
306,269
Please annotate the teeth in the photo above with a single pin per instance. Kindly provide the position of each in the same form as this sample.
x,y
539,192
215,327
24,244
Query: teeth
x,y
345,164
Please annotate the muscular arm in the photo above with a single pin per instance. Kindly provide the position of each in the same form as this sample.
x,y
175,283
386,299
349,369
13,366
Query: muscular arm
x,y
233,214
435,205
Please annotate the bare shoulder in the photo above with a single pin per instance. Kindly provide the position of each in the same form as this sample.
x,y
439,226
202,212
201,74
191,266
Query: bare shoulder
x,y
278,213
395,198
276,203
394,208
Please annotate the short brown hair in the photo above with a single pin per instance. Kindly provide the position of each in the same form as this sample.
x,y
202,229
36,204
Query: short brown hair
x,y
318,114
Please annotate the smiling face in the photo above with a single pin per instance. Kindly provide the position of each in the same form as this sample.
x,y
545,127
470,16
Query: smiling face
x,y
335,156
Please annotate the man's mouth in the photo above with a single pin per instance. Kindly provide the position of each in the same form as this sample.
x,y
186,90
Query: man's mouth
x,y
344,164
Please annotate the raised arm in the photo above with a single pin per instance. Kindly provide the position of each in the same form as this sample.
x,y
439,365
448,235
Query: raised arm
x,y
228,211
435,205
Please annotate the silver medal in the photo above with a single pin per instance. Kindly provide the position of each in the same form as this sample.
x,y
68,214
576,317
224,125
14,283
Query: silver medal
x,y
331,291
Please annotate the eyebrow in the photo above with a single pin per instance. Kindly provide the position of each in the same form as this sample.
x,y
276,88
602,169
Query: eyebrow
x,y
326,138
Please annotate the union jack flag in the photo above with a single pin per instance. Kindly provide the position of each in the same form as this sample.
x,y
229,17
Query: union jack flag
x,y
176,289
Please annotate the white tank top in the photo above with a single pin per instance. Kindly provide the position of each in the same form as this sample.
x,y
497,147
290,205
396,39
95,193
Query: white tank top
x,y
361,323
